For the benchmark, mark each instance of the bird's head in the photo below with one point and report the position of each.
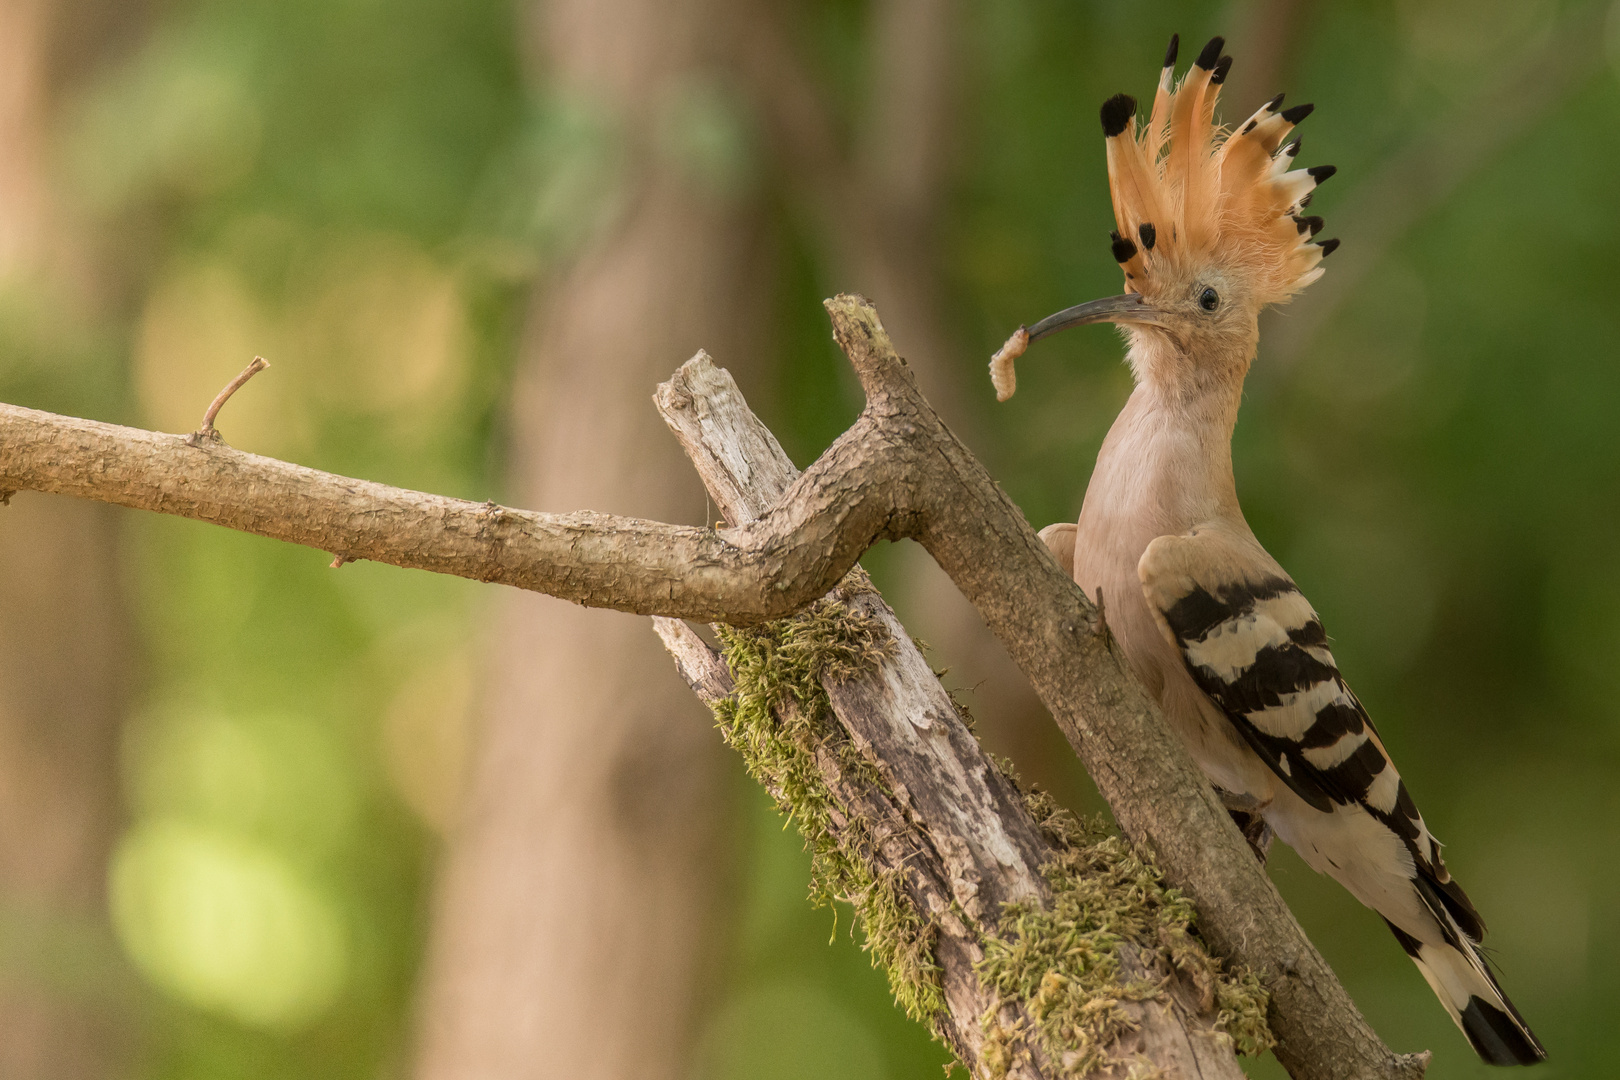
(1210, 227)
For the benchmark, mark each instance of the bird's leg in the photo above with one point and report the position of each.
(1246, 813)
(1257, 831)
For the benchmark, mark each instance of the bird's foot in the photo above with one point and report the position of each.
(1257, 831)
(1246, 811)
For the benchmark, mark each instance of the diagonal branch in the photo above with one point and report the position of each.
(898, 472)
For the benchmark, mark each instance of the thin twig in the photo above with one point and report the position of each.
(206, 433)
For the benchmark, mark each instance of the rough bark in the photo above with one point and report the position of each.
(898, 472)
(949, 823)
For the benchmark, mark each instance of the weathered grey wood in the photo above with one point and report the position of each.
(954, 826)
(744, 467)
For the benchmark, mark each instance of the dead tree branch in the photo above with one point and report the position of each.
(951, 825)
(897, 473)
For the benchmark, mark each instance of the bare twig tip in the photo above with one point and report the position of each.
(206, 432)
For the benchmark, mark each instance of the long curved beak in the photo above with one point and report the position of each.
(1125, 308)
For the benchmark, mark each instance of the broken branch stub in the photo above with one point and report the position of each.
(206, 432)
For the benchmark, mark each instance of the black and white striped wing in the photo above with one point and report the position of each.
(1255, 645)
(1259, 651)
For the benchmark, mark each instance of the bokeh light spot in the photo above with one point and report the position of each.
(226, 925)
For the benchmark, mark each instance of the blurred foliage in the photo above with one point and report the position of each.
(361, 192)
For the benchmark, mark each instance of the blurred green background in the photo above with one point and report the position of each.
(223, 866)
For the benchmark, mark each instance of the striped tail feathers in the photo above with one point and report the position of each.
(1461, 978)
(1255, 646)
(1438, 886)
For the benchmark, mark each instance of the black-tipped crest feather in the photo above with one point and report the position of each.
(1116, 114)
(1123, 246)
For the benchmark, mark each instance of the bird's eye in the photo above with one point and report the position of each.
(1209, 299)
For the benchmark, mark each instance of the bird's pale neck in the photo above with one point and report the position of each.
(1199, 376)
(1172, 443)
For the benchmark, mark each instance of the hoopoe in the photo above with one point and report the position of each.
(1211, 229)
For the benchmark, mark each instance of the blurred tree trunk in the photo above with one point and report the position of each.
(64, 646)
(882, 207)
(575, 925)
(63, 653)
(1269, 33)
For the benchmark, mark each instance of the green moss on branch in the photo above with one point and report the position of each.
(780, 720)
(1061, 961)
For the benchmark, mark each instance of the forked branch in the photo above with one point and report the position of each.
(897, 473)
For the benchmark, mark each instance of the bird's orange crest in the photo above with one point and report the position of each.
(1185, 190)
